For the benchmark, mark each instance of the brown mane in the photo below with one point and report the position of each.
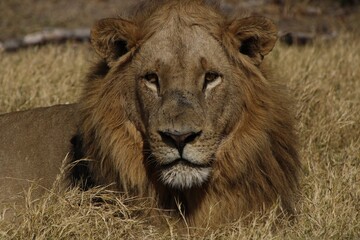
(257, 164)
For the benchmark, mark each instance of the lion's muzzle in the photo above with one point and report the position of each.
(178, 139)
(181, 165)
(183, 174)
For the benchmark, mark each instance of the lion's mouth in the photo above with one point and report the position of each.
(184, 174)
(185, 162)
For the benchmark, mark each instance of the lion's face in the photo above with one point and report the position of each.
(181, 84)
(184, 84)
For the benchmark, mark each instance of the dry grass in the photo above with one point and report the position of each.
(325, 81)
(42, 76)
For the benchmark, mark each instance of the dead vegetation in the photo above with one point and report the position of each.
(325, 82)
(324, 79)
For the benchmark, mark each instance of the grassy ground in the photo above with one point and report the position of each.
(325, 82)
(323, 78)
(42, 76)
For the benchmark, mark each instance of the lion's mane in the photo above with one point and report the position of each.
(255, 167)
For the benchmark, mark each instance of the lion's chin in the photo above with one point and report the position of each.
(184, 176)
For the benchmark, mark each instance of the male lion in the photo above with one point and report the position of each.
(181, 109)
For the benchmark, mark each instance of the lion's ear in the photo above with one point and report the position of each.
(113, 37)
(256, 36)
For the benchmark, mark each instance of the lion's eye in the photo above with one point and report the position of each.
(151, 77)
(152, 81)
(212, 79)
(211, 76)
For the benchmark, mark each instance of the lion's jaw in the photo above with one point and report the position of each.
(182, 174)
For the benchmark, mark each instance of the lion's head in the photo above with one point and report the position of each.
(180, 106)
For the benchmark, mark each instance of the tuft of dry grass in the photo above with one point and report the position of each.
(323, 78)
(42, 76)
(325, 81)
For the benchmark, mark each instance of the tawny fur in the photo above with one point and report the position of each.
(33, 146)
(255, 163)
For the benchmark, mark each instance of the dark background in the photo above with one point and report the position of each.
(18, 17)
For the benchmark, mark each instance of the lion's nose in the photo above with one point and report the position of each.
(179, 140)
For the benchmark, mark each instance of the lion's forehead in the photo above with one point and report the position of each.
(182, 46)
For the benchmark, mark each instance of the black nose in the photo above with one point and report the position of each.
(178, 140)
